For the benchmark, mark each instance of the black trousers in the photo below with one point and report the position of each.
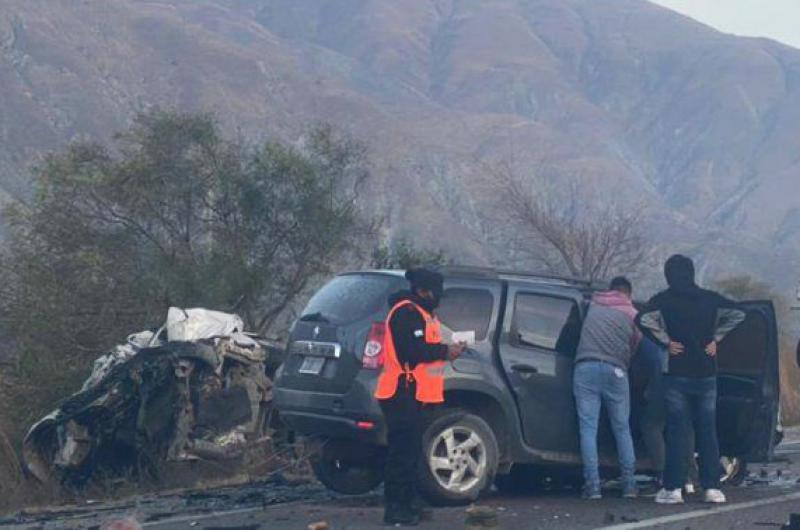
(404, 422)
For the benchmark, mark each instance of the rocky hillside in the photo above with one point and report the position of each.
(702, 127)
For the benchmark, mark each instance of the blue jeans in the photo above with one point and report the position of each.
(596, 383)
(691, 402)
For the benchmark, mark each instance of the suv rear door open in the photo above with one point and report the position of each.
(540, 335)
(748, 385)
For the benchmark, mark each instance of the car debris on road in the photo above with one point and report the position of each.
(481, 517)
(197, 388)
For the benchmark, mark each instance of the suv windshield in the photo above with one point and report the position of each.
(351, 297)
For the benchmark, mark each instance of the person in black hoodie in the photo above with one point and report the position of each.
(690, 322)
(403, 410)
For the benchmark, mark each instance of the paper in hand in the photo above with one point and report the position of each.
(467, 337)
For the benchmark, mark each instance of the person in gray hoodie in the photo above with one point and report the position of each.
(608, 340)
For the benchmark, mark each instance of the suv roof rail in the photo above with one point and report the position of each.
(469, 270)
(490, 272)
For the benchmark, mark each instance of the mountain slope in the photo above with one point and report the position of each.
(702, 126)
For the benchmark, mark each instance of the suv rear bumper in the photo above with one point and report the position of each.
(334, 415)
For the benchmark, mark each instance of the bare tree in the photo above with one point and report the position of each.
(568, 228)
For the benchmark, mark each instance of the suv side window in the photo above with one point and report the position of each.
(545, 322)
(465, 309)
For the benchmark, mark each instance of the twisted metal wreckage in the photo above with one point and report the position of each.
(195, 389)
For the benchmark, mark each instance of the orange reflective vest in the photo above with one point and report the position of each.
(428, 376)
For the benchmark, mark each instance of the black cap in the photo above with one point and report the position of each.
(425, 279)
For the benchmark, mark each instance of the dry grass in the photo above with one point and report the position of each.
(10, 464)
(790, 387)
(16, 490)
(10, 467)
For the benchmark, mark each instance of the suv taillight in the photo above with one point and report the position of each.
(373, 350)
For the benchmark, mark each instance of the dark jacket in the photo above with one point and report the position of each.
(692, 316)
(408, 332)
(647, 370)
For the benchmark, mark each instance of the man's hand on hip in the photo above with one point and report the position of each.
(675, 348)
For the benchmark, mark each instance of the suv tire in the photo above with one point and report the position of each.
(459, 458)
(348, 467)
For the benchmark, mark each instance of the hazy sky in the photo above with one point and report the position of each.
(776, 19)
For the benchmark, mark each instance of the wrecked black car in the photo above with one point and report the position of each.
(509, 412)
(195, 389)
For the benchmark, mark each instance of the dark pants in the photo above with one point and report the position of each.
(652, 426)
(649, 363)
(691, 402)
(404, 422)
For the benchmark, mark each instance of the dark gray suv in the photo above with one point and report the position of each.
(509, 410)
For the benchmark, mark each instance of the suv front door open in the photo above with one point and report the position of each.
(537, 349)
(748, 385)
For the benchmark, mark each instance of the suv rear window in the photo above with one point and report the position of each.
(546, 322)
(351, 297)
(465, 309)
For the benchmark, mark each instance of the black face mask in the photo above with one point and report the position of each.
(428, 304)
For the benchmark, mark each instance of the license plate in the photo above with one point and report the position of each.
(312, 365)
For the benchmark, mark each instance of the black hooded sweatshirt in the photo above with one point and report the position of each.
(692, 316)
(408, 332)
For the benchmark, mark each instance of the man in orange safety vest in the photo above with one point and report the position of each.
(412, 381)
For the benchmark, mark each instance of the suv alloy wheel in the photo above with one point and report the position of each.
(459, 457)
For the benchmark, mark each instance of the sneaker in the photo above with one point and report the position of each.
(715, 496)
(591, 493)
(665, 496)
(689, 488)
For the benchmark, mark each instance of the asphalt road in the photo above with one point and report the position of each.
(533, 513)
(746, 510)
(767, 499)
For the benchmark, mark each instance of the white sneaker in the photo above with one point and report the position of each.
(715, 497)
(689, 488)
(665, 496)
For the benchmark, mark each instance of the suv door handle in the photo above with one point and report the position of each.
(525, 369)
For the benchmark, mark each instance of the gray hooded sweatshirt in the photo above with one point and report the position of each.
(609, 332)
